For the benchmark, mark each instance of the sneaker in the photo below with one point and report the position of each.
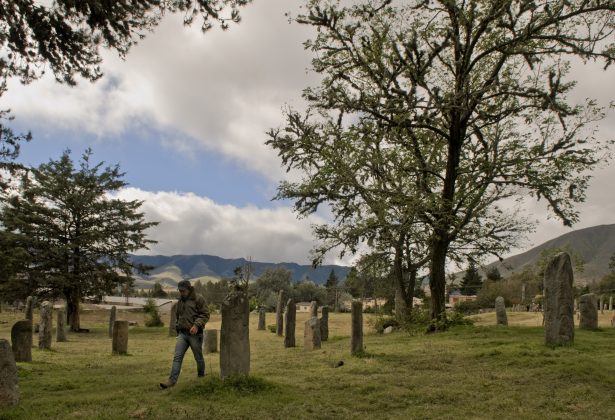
(167, 384)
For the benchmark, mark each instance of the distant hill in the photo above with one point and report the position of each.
(169, 270)
(595, 245)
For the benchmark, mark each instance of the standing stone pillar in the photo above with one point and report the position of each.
(311, 334)
(261, 319)
(602, 304)
(356, 342)
(500, 311)
(589, 313)
(576, 304)
(290, 321)
(173, 321)
(9, 391)
(235, 336)
(559, 301)
(314, 309)
(29, 308)
(279, 316)
(119, 344)
(611, 303)
(523, 293)
(21, 340)
(324, 324)
(44, 333)
(112, 317)
(60, 327)
(210, 341)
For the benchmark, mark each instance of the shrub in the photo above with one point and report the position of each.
(153, 318)
(467, 308)
(272, 328)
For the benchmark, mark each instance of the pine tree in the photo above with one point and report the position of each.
(68, 237)
(472, 280)
(332, 290)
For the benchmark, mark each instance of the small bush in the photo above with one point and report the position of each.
(272, 328)
(383, 321)
(467, 307)
(153, 318)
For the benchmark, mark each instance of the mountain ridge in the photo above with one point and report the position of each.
(595, 245)
(169, 269)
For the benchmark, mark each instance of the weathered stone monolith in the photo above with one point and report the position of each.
(9, 390)
(279, 315)
(235, 336)
(314, 309)
(290, 321)
(324, 323)
(44, 332)
(500, 311)
(112, 318)
(173, 321)
(559, 301)
(210, 341)
(28, 311)
(602, 304)
(356, 341)
(21, 340)
(261, 319)
(61, 326)
(611, 303)
(119, 345)
(589, 313)
(311, 334)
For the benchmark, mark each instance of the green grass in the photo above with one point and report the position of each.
(468, 372)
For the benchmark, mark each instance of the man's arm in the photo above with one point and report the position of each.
(202, 313)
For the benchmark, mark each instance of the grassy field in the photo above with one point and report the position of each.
(477, 371)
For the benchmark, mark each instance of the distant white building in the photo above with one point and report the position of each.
(164, 305)
(303, 306)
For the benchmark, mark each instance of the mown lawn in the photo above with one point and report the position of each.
(469, 372)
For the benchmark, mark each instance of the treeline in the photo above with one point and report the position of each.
(524, 287)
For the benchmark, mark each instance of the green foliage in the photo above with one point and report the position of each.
(472, 280)
(468, 307)
(474, 109)
(153, 314)
(272, 328)
(66, 37)
(270, 282)
(78, 237)
(238, 385)
(380, 322)
(158, 292)
(308, 291)
(493, 274)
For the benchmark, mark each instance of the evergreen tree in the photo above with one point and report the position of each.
(67, 234)
(472, 280)
(332, 290)
(158, 292)
(493, 274)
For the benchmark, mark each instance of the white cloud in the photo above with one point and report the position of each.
(219, 91)
(190, 224)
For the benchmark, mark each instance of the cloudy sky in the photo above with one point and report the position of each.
(185, 115)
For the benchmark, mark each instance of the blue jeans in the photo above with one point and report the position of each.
(182, 342)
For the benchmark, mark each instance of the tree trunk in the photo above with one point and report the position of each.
(412, 271)
(437, 282)
(72, 311)
(401, 307)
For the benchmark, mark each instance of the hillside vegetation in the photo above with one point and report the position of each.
(595, 245)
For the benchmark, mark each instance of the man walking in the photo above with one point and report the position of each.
(192, 314)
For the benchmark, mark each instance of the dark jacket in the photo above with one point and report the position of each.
(192, 311)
